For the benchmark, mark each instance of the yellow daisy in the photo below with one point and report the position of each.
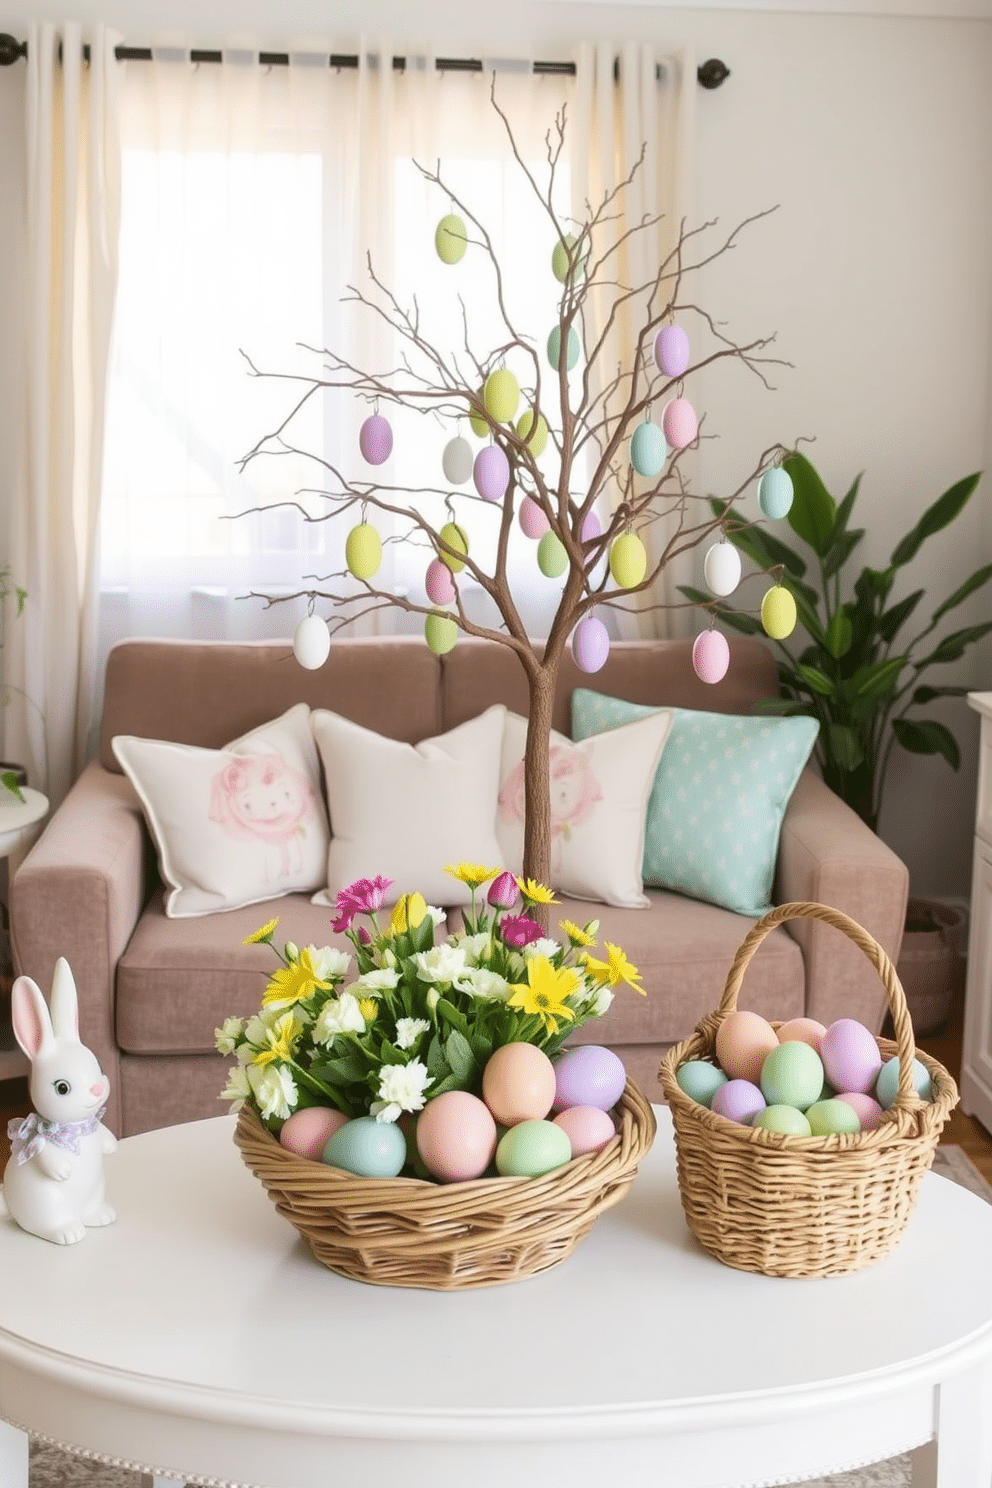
(294, 983)
(263, 936)
(576, 935)
(282, 1036)
(407, 914)
(535, 892)
(616, 968)
(474, 875)
(544, 992)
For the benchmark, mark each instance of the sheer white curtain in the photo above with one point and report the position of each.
(72, 213)
(639, 98)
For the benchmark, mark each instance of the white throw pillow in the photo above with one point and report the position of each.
(406, 811)
(232, 826)
(599, 798)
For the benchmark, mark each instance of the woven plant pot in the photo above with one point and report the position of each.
(407, 1232)
(804, 1206)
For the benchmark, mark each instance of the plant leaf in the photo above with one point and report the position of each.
(927, 737)
(843, 546)
(813, 513)
(460, 1056)
(935, 518)
(890, 621)
(845, 509)
(928, 694)
(736, 619)
(976, 581)
(876, 680)
(839, 634)
(954, 646)
(844, 746)
(816, 680)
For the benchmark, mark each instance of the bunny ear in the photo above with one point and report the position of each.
(65, 1005)
(29, 1018)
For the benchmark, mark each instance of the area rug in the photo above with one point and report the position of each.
(51, 1468)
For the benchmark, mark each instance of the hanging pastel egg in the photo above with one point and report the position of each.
(438, 582)
(552, 557)
(592, 527)
(778, 612)
(722, 568)
(628, 560)
(775, 493)
(501, 395)
(456, 461)
(590, 644)
(679, 423)
(534, 435)
(648, 450)
(311, 642)
(363, 550)
(563, 254)
(491, 473)
(571, 353)
(710, 656)
(478, 423)
(533, 522)
(671, 350)
(457, 538)
(375, 439)
(450, 239)
(440, 632)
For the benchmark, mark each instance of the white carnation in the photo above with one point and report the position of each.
(274, 1089)
(227, 1035)
(436, 916)
(488, 986)
(442, 964)
(408, 1030)
(329, 964)
(237, 1090)
(544, 947)
(476, 947)
(401, 1088)
(383, 980)
(338, 1015)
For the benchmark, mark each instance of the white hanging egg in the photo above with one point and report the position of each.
(535, 435)
(363, 550)
(438, 582)
(491, 473)
(533, 522)
(555, 348)
(710, 656)
(679, 423)
(775, 493)
(456, 461)
(590, 644)
(450, 239)
(722, 568)
(501, 395)
(375, 439)
(440, 632)
(311, 642)
(552, 556)
(628, 560)
(778, 612)
(671, 350)
(648, 450)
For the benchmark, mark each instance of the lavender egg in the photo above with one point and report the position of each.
(738, 1101)
(592, 527)
(850, 1056)
(588, 1075)
(679, 423)
(671, 350)
(710, 656)
(590, 644)
(491, 473)
(375, 439)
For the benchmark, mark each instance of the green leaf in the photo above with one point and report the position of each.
(452, 1015)
(845, 509)
(344, 1070)
(736, 619)
(784, 708)
(935, 518)
(929, 694)
(892, 619)
(844, 746)
(813, 513)
(873, 583)
(450, 1082)
(876, 680)
(844, 545)
(808, 618)
(9, 779)
(422, 935)
(839, 634)
(436, 1063)
(927, 738)
(460, 1056)
(482, 1046)
(953, 647)
(816, 680)
(968, 587)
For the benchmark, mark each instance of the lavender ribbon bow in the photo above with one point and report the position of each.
(29, 1134)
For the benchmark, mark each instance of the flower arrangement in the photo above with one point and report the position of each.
(419, 1018)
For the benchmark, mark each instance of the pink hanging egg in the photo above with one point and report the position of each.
(532, 520)
(375, 439)
(491, 473)
(679, 423)
(439, 584)
(671, 350)
(590, 644)
(710, 656)
(592, 527)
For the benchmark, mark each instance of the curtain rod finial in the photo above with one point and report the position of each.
(11, 50)
(712, 73)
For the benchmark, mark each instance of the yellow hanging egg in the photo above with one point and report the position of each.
(480, 425)
(534, 434)
(778, 612)
(552, 557)
(501, 395)
(450, 239)
(363, 550)
(440, 632)
(456, 538)
(628, 560)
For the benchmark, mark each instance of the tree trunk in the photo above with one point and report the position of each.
(537, 783)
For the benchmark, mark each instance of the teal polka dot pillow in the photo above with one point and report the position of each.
(719, 795)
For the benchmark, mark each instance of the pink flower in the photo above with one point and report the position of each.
(519, 930)
(503, 891)
(364, 896)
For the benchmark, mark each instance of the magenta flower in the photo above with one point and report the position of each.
(519, 930)
(364, 896)
(503, 891)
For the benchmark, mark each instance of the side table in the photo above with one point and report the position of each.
(16, 822)
(976, 1049)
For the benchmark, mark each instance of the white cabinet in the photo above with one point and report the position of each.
(976, 1053)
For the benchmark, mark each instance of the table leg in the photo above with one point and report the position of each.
(13, 1456)
(964, 1432)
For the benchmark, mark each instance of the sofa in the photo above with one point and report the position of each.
(153, 989)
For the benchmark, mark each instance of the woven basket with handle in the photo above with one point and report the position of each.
(408, 1232)
(804, 1206)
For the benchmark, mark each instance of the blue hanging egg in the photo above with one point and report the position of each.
(571, 348)
(648, 450)
(775, 493)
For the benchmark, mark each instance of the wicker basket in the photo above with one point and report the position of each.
(408, 1232)
(804, 1206)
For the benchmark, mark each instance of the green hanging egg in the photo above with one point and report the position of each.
(440, 632)
(363, 550)
(501, 395)
(552, 558)
(450, 239)
(563, 250)
(534, 434)
(571, 348)
(456, 538)
(628, 560)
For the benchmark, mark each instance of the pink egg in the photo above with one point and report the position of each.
(803, 1030)
(533, 522)
(439, 584)
(491, 473)
(738, 1100)
(671, 350)
(588, 1075)
(375, 439)
(850, 1056)
(590, 644)
(518, 1083)
(869, 1112)
(592, 527)
(742, 1041)
(710, 656)
(679, 423)
(587, 1128)
(307, 1132)
(456, 1136)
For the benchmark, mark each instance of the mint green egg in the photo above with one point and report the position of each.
(792, 1075)
(552, 556)
(571, 348)
(368, 1148)
(784, 1119)
(699, 1080)
(829, 1116)
(531, 1148)
(440, 632)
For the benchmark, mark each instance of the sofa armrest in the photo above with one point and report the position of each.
(79, 894)
(828, 855)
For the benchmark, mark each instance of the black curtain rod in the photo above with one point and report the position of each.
(709, 74)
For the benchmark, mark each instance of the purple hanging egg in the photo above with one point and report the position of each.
(679, 423)
(710, 656)
(491, 473)
(590, 644)
(592, 527)
(375, 439)
(438, 582)
(533, 522)
(671, 350)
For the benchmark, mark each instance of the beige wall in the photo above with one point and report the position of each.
(871, 135)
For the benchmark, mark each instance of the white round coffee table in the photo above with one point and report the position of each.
(198, 1339)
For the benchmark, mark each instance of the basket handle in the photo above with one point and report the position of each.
(802, 910)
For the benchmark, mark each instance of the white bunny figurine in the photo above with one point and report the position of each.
(53, 1182)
